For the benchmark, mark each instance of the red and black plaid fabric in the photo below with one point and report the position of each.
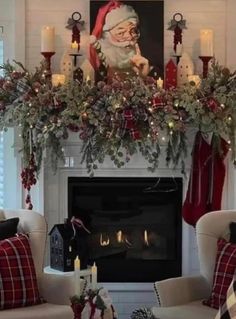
(228, 309)
(18, 283)
(224, 272)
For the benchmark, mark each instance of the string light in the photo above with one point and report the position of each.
(171, 124)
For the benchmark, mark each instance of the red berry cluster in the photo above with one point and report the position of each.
(28, 178)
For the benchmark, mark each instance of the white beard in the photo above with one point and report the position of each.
(118, 55)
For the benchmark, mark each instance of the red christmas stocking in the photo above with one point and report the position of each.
(195, 204)
(217, 177)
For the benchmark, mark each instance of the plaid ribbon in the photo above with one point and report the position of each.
(158, 103)
(23, 86)
(130, 125)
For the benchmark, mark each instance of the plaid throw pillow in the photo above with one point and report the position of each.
(18, 284)
(228, 310)
(224, 272)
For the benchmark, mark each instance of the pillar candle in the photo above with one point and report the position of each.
(160, 83)
(58, 79)
(179, 49)
(74, 47)
(94, 276)
(48, 39)
(206, 42)
(77, 275)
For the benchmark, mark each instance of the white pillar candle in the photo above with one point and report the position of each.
(48, 39)
(179, 49)
(206, 42)
(94, 276)
(160, 83)
(77, 275)
(58, 79)
(74, 47)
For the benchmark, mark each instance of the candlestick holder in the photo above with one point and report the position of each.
(78, 74)
(75, 56)
(205, 61)
(177, 56)
(47, 56)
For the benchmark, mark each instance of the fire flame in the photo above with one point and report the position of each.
(119, 236)
(104, 242)
(146, 238)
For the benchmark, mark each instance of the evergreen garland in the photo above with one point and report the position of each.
(115, 119)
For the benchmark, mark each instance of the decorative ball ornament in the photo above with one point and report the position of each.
(142, 313)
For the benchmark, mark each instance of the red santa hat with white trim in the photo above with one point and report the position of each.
(109, 16)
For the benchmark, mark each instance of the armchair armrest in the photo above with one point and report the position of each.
(58, 289)
(181, 290)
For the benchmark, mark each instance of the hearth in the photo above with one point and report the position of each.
(135, 226)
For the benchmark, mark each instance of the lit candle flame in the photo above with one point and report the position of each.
(104, 242)
(119, 236)
(146, 238)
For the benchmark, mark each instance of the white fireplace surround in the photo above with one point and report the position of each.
(54, 192)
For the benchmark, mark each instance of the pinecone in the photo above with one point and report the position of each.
(142, 313)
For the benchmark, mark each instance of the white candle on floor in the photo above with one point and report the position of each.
(77, 275)
(94, 276)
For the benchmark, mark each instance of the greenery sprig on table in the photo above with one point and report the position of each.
(115, 119)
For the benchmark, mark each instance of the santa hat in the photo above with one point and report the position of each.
(109, 15)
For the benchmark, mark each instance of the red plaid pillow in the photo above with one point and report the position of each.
(224, 271)
(18, 284)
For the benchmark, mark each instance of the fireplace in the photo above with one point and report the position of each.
(135, 226)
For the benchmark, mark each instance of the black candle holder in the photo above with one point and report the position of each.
(78, 74)
(47, 56)
(205, 61)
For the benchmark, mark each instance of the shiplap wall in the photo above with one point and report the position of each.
(199, 14)
(215, 14)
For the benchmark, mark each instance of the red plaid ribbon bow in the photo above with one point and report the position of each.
(130, 125)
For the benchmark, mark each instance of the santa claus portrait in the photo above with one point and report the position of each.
(127, 37)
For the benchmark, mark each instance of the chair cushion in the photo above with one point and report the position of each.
(8, 227)
(191, 310)
(223, 274)
(17, 274)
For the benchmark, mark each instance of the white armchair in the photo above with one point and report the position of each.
(55, 289)
(181, 298)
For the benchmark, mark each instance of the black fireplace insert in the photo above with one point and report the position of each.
(135, 226)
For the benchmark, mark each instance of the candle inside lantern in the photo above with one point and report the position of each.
(58, 79)
(94, 276)
(48, 39)
(206, 42)
(77, 275)
(195, 78)
(160, 83)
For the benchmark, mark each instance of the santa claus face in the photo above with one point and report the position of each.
(125, 32)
